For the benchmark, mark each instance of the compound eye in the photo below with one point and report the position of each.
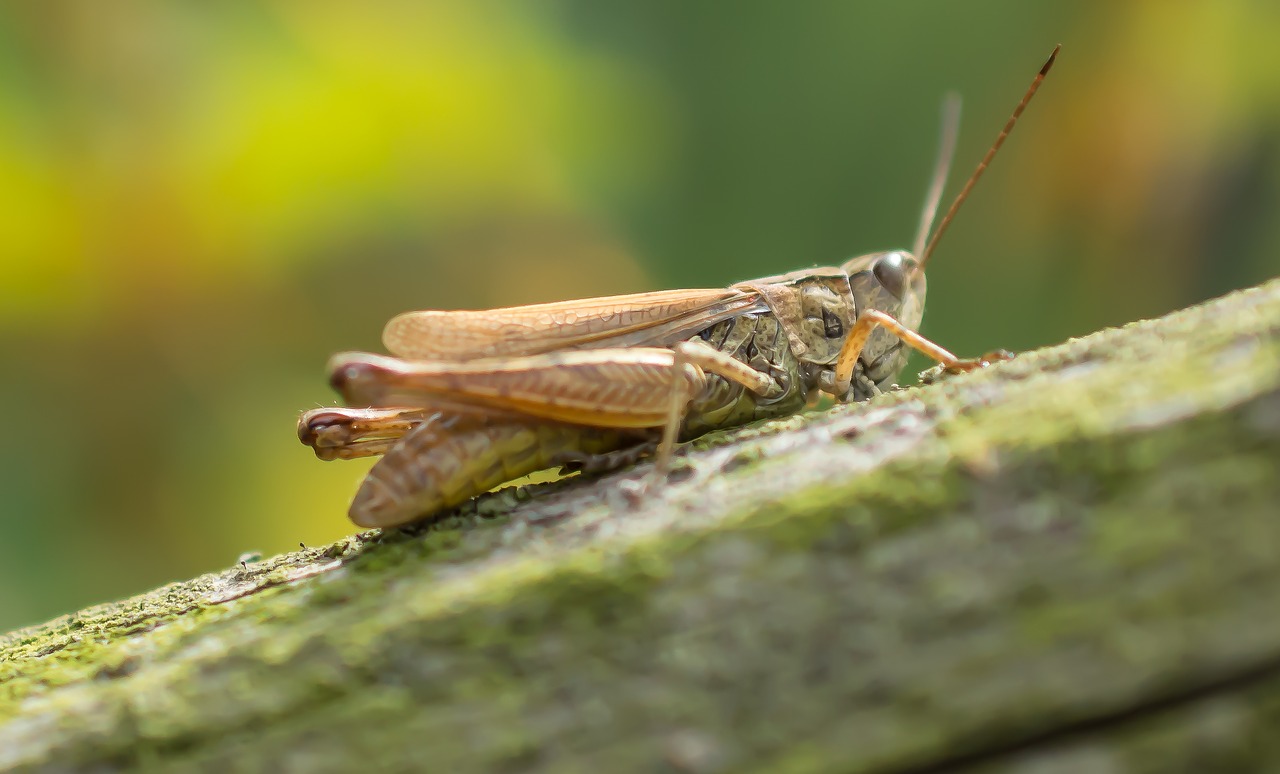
(893, 271)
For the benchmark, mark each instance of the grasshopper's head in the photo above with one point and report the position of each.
(893, 283)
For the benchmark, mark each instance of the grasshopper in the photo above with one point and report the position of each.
(473, 398)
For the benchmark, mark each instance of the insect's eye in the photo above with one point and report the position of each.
(893, 271)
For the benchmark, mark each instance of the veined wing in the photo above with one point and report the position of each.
(654, 319)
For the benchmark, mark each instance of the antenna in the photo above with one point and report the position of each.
(982, 165)
(946, 153)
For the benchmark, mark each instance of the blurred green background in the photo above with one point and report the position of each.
(200, 202)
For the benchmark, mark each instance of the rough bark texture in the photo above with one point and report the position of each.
(1068, 562)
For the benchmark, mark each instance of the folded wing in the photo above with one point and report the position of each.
(658, 318)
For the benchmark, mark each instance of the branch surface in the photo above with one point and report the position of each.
(1069, 559)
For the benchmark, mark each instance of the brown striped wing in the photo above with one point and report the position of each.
(657, 318)
(619, 388)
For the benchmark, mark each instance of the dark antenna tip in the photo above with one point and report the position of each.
(982, 165)
(1052, 57)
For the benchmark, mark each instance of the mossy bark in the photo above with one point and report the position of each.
(1067, 562)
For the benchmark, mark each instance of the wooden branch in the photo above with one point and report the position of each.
(1072, 558)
